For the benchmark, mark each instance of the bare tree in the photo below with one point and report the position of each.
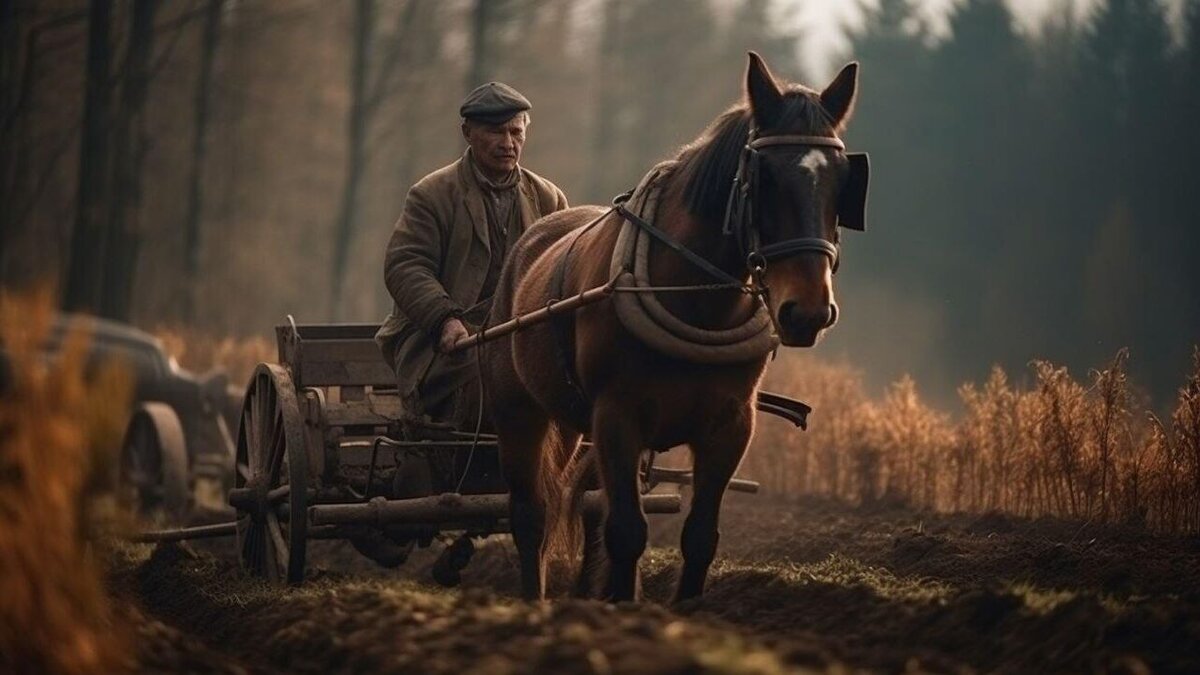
(20, 190)
(372, 82)
(129, 150)
(203, 107)
(490, 20)
(600, 180)
(356, 129)
(87, 255)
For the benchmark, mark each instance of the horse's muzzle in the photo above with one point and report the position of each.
(801, 328)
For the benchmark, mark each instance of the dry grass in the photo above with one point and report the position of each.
(201, 352)
(58, 434)
(1062, 448)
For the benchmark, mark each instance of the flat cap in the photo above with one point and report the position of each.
(493, 103)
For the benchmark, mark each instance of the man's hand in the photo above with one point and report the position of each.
(453, 330)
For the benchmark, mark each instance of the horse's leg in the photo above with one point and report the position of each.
(716, 457)
(522, 431)
(594, 567)
(619, 447)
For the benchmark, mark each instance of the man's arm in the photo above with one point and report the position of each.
(412, 264)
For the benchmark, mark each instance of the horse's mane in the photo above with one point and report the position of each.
(707, 165)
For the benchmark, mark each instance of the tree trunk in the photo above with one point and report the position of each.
(604, 138)
(85, 274)
(203, 105)
(124, 225)
(481, 20)
(356, 129)
(9, 46)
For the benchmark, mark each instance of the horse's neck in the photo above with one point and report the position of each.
(709, 309)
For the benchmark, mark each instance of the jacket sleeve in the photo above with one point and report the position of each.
(414, 261)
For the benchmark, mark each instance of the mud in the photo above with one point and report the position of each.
(797, 586)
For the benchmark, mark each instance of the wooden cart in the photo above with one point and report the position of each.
(323, 452)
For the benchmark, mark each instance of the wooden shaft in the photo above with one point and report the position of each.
(198, 532)
(535, 317)
(684, 477)
(452, 508)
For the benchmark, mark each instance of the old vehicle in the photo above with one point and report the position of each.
(324, 453)
(178, 437)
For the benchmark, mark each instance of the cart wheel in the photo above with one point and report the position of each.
(272, 464)
(153, 478)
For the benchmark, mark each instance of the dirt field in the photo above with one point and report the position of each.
(807, 586)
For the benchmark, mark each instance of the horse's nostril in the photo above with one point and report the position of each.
(788, 314)
(793, 319)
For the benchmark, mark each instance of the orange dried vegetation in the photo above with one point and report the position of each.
(201, 352)
(1061, 448)
(58, 434)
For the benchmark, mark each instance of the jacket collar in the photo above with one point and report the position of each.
(473, 200)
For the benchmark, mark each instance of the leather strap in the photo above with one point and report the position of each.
(782, 249)
(795, 139)
(687, 253)
(564, 328)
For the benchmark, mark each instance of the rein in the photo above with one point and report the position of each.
(633, 294)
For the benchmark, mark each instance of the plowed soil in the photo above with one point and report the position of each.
(807, 586)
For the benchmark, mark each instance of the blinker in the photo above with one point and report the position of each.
(852, 202)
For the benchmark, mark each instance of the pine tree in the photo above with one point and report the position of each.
(892, 122)
(979, 108)
(1126, 109)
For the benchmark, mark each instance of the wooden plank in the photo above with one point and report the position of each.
(375, 411)
(345, 373)
(340, 350)
(331, 331)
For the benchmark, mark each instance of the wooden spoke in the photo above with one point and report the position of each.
(272, 457)
(278, 543)
(277, 448)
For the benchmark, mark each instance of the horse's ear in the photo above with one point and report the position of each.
(838, 97)
(766, 101)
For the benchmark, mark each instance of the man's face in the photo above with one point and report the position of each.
(496, 147)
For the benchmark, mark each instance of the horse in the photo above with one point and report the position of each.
(759, 258)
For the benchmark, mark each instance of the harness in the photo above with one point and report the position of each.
(633, 295)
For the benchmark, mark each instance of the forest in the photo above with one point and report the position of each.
(1001, 469)
(215, 165)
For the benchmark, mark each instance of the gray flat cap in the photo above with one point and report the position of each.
(493, 103)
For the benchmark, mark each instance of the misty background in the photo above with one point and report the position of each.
(220, 164)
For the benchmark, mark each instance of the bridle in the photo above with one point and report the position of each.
(739, 211)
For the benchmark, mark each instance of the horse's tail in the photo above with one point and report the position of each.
(561, 483)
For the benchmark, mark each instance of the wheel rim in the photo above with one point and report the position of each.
(141, 473)
(272, 461)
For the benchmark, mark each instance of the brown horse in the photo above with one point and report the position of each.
(589, 373)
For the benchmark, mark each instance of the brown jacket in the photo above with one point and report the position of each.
(438, 258)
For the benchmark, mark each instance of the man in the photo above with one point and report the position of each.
(446, 252)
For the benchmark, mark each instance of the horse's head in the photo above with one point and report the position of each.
(801, 186)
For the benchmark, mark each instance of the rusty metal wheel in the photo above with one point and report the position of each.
(152, 477)
(272, 479)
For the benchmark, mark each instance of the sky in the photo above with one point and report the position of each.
(822, 21)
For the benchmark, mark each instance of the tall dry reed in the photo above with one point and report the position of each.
(58, 434)
(1061, 447)
(201, 352)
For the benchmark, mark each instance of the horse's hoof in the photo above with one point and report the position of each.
(446, 576)
(449, 565)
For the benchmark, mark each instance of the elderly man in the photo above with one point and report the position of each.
(445, 254)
